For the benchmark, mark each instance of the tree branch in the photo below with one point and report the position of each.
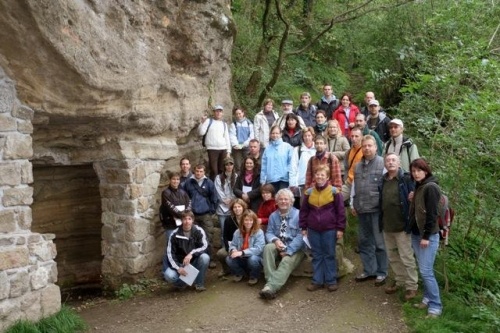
(344, 17)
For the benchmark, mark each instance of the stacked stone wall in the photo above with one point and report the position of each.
(132, 242)
(28, 271)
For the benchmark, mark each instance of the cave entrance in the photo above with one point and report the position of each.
(67, 203)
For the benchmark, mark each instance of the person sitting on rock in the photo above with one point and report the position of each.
(188, 245)
(285, 242)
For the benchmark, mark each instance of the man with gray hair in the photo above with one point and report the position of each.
(394, 211)
(285, 242)
(400, 145)
(287, 108)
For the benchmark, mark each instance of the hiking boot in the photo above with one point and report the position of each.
(333, 287)
(267, 293)
(432, 316)
(420, 306)
(410, 294)
(364, 277)
(380, 281)
(237, 278)
(314, 287)
(391, 289)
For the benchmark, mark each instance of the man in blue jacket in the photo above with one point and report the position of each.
(285, 242)
(394, 209)
(201, 190)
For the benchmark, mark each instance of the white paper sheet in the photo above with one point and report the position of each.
(192, 273)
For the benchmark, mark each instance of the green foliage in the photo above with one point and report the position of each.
(435, 65)
(66, 320)
(130, 290)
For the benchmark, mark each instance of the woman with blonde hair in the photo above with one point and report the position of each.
(337, 144)
(245, 251)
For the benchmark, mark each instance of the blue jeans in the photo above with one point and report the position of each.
(168, 233)
(323, 256)
(425, 260)
(371, 245)
(201, 263)
(245, 265)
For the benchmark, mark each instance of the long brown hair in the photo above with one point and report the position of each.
(255, 225)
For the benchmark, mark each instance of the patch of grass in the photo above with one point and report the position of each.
(65, 321)
(141, 287)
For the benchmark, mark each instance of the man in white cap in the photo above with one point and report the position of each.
(287, 108)
(378, 121)
(400, 145)
(215, 133)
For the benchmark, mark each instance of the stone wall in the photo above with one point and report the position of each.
(118, 86)
(27, 269)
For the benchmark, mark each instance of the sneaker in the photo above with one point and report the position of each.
(420, 306)
(314, 287)
(380, 281)
(212, 265)
(267, 293)
(237, 278)
(333, 287)
(199, 288)
(253, 281)
(410, 294)
(363, 277)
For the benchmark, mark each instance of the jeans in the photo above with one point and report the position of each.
(168, 233)
(323, 256)
(371, 245)
(276, 276)
(201, 263)
(425, 260)
(251, 265)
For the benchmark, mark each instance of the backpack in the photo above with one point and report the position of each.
(446, 214)
(205, 135)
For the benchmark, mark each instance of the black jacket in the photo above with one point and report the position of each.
(180, 246)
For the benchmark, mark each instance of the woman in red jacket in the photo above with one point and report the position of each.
(267, 206)
(346, 114)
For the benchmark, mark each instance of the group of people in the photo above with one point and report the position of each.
(318, 159)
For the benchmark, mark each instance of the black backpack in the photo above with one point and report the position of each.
(205, 135)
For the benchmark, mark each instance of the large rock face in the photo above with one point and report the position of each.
(115, 79)
(108, 94)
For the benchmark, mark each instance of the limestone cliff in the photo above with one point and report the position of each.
(118, 78)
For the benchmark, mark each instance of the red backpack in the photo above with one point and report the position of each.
(446, 214)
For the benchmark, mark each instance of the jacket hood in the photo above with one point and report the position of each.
(430, 179)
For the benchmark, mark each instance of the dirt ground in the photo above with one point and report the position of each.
(227, 306)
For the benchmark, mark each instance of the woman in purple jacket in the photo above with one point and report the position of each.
(322, 219)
